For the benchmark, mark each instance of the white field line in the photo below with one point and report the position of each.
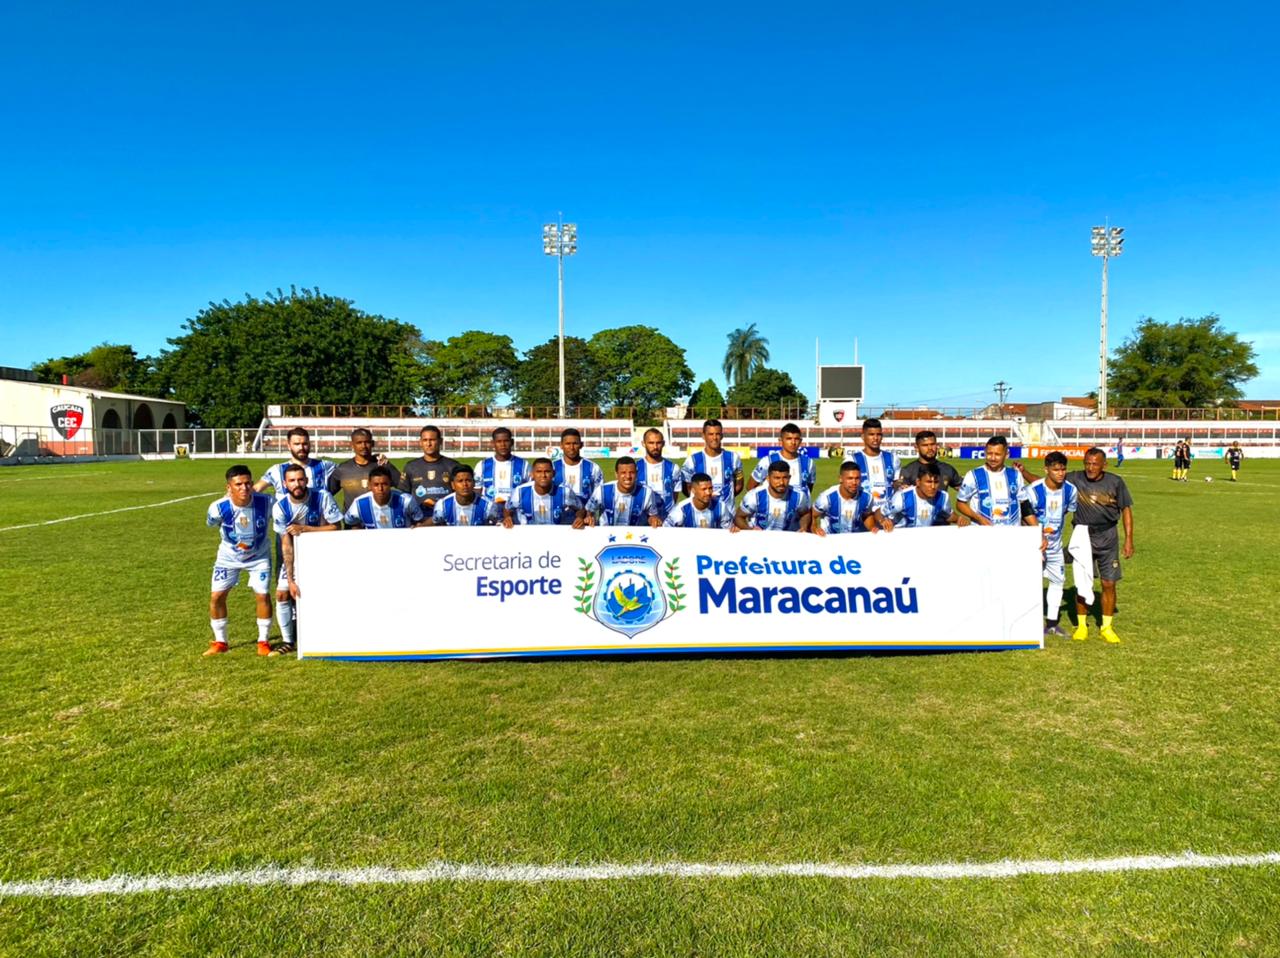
(109, 512)
(77, 475)
(539, 874)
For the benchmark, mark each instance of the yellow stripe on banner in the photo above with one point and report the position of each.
(648, 647)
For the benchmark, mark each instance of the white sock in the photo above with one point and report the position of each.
(219, 630)
(1053, 601)
(284, 615)
(264, 629)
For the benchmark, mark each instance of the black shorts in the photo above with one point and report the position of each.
(1105, 543)
(1180, 463)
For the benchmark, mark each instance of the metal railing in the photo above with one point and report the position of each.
(44, 442)
(478, 411)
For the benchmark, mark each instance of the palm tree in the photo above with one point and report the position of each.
(747, 352)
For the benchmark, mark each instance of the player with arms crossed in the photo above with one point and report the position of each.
(429, 477)
(624, 502)
(500, 474)
(997, 490)
(243, 518)
(802, 470)
(463, 506)
(702, 510)
(577, 476)
(846, 506)
(318, 470)
(1234, 457)
(1053, 499)
(660, 476)
(777, 506)
(924, 504)
(383, 507)
(540, 502)
(879, 467)
(302, 510)
(722, 467)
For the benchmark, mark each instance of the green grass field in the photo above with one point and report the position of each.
(123, 751)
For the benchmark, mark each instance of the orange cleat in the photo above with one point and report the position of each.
(215, 648)
(264, 648)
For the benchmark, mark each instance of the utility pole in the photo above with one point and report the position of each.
(1002, 388)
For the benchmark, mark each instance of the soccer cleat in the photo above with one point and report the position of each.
(264, 648)
(215, 648)
(285, 648)
(1055, 631)
(1082, 631)
(1109, 634)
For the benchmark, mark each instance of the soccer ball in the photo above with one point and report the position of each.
(1208, 478)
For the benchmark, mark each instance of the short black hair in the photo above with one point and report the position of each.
(297, 431)
(499, 431)
(698, 477)
(924, 434)
(850, 466)
(239, 470)
(380, 471)
(779, 466)
(712, 422)
(361, 431)
(872, 423)
(929, 469)
(426, 429)
(291, 467)
(790, 429)
(623, 461)
(998, 441)
(569, 431)
(461, 469)
(539, 461)
(1055, 459)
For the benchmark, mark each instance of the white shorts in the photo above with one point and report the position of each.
(227, 574)
(1055, 567)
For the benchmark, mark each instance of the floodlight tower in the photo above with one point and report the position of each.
(1108, 241)
(560, 239)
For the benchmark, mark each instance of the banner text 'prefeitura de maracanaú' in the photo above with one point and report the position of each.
(542, 590)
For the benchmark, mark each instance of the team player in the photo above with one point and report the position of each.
(702, 510)
(723, 467)
(927, 451)
(624, 502)
(352, 476)
(242, 517)
(463, 506)
(577, 476)
(302, 510)
(924, 504)
(499, 475)
(1181, 460)
(429, 477)
(318, 470)
(777, 506)
(540, 502)
(1053, 499)
(802, 470)
(1103, 500)
(660, 476)
(383, 507)
(1235, 456)
(879, 466)
(846, 506)
(994, 494)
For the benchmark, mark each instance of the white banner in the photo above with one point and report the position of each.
(542, 590)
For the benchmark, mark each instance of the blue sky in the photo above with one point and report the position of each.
(922, 178)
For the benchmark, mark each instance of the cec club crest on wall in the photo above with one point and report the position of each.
(67, 419)
(628, 588)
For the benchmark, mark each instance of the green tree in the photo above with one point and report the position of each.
(1193, 362)
(639, 367)
(706, 399)
(473, 368)
(537, 378)
(105, 366)
(772, 392)
(747, 352)
(296, 347)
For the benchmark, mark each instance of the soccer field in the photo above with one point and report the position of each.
(123, 752)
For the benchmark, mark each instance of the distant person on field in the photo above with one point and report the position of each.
(702, 510)
(879, 466)
(994, 494)
(498, 476)
(464, 506)
(1053, 499)
(318, 470)
(352, 476)
(926, 452)
(1235, 456)
(383, 507)
(243, 520)
(777, 506)
(722, 467)
(846, 506)
(429, 477)
(1182, 460)
(802, 470)
(301, 510)
(1120, 452)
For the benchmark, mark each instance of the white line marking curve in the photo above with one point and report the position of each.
(539, 874)
(109, 512)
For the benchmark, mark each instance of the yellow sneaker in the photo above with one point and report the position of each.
(1082, 631)
(1109, 634)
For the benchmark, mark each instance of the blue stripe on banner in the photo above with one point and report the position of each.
(693, 649)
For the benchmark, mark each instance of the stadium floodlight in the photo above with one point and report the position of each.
(1105, 241)
(560, 239)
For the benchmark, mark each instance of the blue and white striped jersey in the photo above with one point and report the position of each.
(1052, 507)
(723, 469)
(480, 511)
(318, 509)
(612, 507)
(907, 509)
(838, 514)
(243, 529)
(879, 472)
(579, 480)
(400, 512)
(994, 495)
(554, 509)
(764, 511)
(318, 473)
(804, 471)
(662, 478)
(497, 480)
(718, 515)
